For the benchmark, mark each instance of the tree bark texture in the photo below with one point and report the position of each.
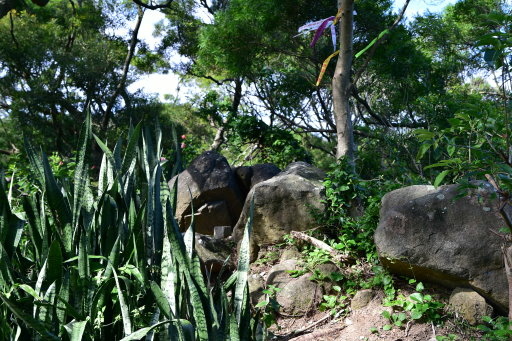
(507, 258)
(341, 84)
(237, 97)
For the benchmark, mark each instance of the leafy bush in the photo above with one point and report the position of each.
(352, 210)
(109, 261)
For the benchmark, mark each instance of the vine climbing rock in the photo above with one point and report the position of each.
(445, 235)
(282, 204)
(210, 187)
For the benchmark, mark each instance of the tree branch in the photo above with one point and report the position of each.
(371, 52)
(126, 66)
(342, 258)
(166, 4)
(12, 31)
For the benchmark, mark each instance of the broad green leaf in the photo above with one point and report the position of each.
(29, 290)
(416, 315)
(416, 297)
(440, 177)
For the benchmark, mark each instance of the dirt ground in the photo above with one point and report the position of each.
(365, 324)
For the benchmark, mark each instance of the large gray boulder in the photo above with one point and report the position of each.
(291, 296)
(214, 193)
(432, 235)
(283, 203)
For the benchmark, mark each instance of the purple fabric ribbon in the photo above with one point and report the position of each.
(320, 30)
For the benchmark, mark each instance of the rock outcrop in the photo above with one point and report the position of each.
(214, 192)
(283, 203)
(441, 236)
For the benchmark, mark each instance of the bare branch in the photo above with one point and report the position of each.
(342, 258)
(126, 66)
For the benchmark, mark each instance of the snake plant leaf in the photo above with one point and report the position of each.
(240, 296)
(130, 154)
(75, 330)
(125, 311)
(158, 223)
(189, 237)
(34, 227)
(81, 170)
(62, 298)
(11, 227)
(54, 263)
(29, 290)
(139, 334)
(47, 310)
(98, 299)
(161, 300)
(31, 322)
(117, 155)
(107, 153)
(169, 272)
(36, 165)
(198, 300)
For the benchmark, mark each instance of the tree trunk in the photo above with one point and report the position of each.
(507, 258)
(237, 97)
(341, 84)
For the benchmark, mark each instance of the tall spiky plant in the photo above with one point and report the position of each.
(91, 262)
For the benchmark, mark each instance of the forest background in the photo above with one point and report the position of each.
(256, 99)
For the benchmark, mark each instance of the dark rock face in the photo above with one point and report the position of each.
(213, 254)
(249, 176)
(283, 203)
(430, 234)
(214, 193)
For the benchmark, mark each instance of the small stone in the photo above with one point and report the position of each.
(291, 253)
(221, 232)
(469, 305)
(361, 299)
(256, 285)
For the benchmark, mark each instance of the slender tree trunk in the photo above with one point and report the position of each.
(341, 84)
(122, 82)
(237, 97)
